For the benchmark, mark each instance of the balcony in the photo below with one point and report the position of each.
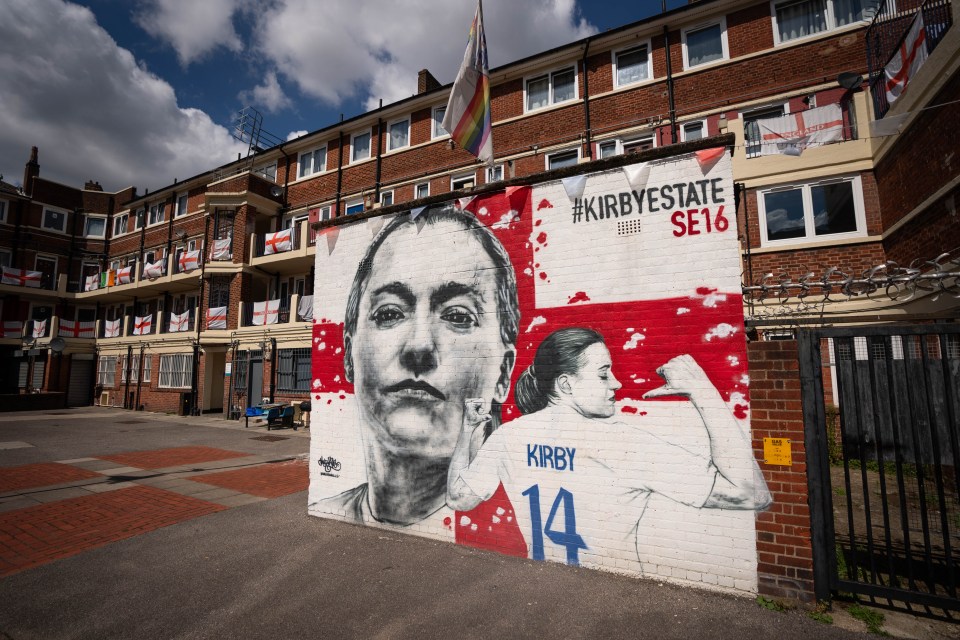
(287, 254)
(276, 313)
(887, 33)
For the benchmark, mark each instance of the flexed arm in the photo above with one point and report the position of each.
(739, 483)
(459, 495)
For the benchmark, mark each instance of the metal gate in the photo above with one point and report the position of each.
(881, 414)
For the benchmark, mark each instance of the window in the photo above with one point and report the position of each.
(551, 88)
(631, 65)
(463, 181)
(422, 190)
(608, 148)
(562, 159)
(386, 198)
(751, 130)
(156, 213)
(810, 211)
(183, 202)
(140, 219)
(795, 19)
(134, 368)
(693, 131)
(705, 43)
(147, 366)
(494, 174)
(398, 134)
(176, 371)
(55, 220)
(438, 114)
(95, 227)
(640, 143)
(6, 258)
(3, 210)
(120, 223)
(360, 146)
(324, 213)
(107, 371)
(293, 369)
(354, 207)
(267, 171)
(313, 161)
(219, 291)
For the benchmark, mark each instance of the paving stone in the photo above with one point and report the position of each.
(15, 445)
(20, 502)
(77, 460)
(237, 500)
(215, 493)
(54, 495)
(94, 464)
(103, 487)
(119, 471)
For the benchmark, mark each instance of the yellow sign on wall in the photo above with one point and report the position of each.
(777, 451)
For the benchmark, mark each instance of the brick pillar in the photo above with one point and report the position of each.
(784, 550)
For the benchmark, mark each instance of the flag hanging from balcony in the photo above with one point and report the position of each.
(20, 277)
(39, 328)
(91, 283)
(11, 329)
(467, 118)
(278, 242)
(124, 275)
(111, 328)
(266, 312)
(179, 322)
(221, 249)
(217, 318)
(794, 132)
(907, 60)
(73, 329)
(189, 260)
(153, 269)
(141, 325)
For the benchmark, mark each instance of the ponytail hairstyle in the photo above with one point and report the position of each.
(560, 353)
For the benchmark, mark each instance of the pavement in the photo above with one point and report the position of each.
(116, 524)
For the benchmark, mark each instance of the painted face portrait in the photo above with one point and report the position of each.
(427, 337)
(593, 387)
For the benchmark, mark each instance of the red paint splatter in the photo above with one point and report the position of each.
(544, 204)
(538, 223)
(317, 398)
(542, 237)
(579, 296)
(628, 409)
(543, 276)
(328, 401)
(447, 521)
(342, 397)
(740, 411)
(643, 413)
(703, 291)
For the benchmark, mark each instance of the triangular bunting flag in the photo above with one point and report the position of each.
(463, 203)
(515, 196)
(332, 234)
(574, 186)
(637, 175)
(415, 213)
(708, 157)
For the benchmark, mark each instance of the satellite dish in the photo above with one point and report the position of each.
(276, 191)
(849, 80)
(57, 344)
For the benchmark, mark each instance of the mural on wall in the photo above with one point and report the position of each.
(555, 371)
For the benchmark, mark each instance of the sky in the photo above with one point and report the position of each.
(144, 92)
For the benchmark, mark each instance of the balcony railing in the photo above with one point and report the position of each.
(887, 32)
(278, 242)
(256, 314)
(178, 322)
(757, 147)
(39, 328)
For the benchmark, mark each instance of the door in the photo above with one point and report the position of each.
(255, 378)
(80, 386)
(214, 373)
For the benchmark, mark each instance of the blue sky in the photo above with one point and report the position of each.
(142, 92)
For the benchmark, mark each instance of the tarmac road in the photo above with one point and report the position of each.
(264, 569)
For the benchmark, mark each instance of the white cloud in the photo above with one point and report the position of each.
(293, 135)
(373, 49)
(193, 28)
(93, 111)
(269, 95)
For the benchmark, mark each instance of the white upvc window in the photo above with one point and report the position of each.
(494, 174)
(550, 88)
(157, 213)
(398, 134)
(134, 367)
(693, 130)
(386, 198)
(753, 140)
(267, 171)
(631, 65)
(120, 221)
(705, 43)
(95, 227)
(107, 371)
(3, 210)
(796, 19)
(140, 218)
(360, 146)
(560, 159)
(437, 126)
(354, 206)
(463, 181)
(828, 209)
(422, 190)
(312, 161)
(620, 146)
(147, 368)
(54, 220)
(324, 213)
(176, 371)
(183, 202)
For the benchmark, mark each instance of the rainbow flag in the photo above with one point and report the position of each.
(467, 118)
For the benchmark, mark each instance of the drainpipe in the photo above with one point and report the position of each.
(739, 197)
(194, 377)
(336, 212)
(136, 406)
(586, 97)
(73, 243)
(670, 97)
(126, 390)
(273, 367)
(376, 194)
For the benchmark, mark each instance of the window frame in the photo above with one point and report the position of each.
(350, 204)
(160, 208)
(4, 207)
(550, 75)
(703, 128)
(830, 20)
(390, 125)
(750, 114)
(487, 173)
(416, 190)
(107, 369)
(614, 61)
(9, 257)
(140, 219)
(183, 197)
(548, 157)
(464, 177)
(724, 46)
(388, 192)
(810, 236)
(288, 378)
(436, 125)
(312, 153)
(353, 146)
(263, 171)
(125, 216)
(179, 368)
(86, 222)
(43, 219)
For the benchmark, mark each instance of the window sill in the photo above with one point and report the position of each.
(798, 244)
